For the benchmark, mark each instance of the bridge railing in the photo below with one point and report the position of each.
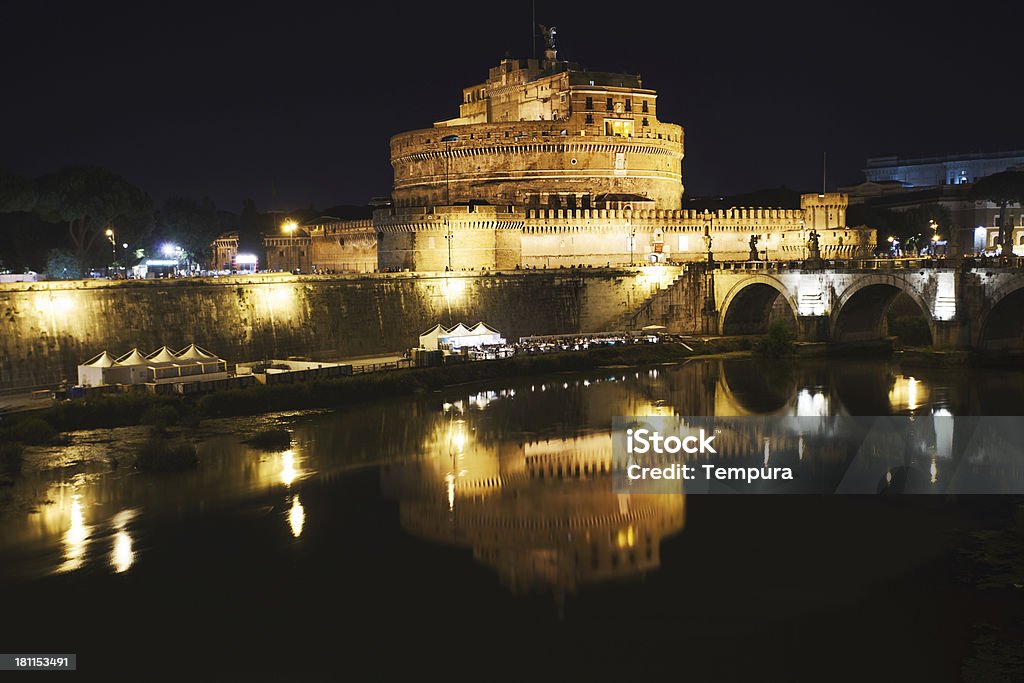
(966, 262)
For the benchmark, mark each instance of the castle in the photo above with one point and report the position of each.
(549, 165)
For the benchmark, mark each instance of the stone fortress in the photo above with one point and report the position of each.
(551, 165)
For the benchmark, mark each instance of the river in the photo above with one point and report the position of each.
(479, 524)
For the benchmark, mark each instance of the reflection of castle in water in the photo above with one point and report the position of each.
(541, 514)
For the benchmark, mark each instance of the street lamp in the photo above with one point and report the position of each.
(113, 244)
(447, 140)
(289, 226)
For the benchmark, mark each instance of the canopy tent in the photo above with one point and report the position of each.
(193, 352)
(162, 355)
(101, 360)
(133, 357)
(102, 369)
(461, 336)
(428, 339)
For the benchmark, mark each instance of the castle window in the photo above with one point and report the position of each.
(590, 118)
(629, 105)
(619, 127)
(643, 106)
(645, 121)
(609, 105)
(590, 103)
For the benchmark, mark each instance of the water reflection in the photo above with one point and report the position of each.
(296, 516)
(76, 538)
(517, 471)
(541, 514)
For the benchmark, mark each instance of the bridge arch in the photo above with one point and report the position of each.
(859, 312)
(747, 306)
(1002, 326)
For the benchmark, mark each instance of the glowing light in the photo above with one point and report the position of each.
(934, 471)
(121, 555)
(169, 249)
(288, 471)
(289, 226)
(811, 302)
(76, 538)
(296, 517)
(109, 232)
(907, 391)
(54, 305)
(246, 259)
(450, 488)
(945, 297)
(454, 289)
(912, 393)
(811, 405)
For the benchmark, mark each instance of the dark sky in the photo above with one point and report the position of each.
(293, 103)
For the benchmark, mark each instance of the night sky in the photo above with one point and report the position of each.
(293, 104)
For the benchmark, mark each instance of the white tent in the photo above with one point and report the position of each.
(428, 340)
(133, 357)
(162, 355)
(102, 369)
(193, 352)
(102, 360)
(460, 336)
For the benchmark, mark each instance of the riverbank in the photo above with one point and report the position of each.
(111, 411)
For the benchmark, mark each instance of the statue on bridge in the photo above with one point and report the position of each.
(813, 249)
(754, 256)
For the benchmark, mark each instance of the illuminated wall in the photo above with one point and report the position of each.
(47, 329)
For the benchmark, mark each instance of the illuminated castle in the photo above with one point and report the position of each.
(549, 164)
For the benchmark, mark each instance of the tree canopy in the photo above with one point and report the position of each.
(193, 224)
(1002, 189)
(89, 200)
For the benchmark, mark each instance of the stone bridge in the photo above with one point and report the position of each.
(966, 304)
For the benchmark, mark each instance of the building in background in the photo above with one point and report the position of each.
(549, 165)
(901, 184)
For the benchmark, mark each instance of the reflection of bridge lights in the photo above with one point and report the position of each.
(626, 538)
(288, 471)
(76, 538)
(811, 405)
(450, 487)
(296, 516)
(907, 391)
(121, 555)
(934, 469)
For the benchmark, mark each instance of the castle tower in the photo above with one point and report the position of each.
(543, 133)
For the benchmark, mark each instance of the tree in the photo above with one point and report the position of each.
(16, 193)
(1002, 189)
(61, 264)
(251, 225)
(193, 224)
(89, 200)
